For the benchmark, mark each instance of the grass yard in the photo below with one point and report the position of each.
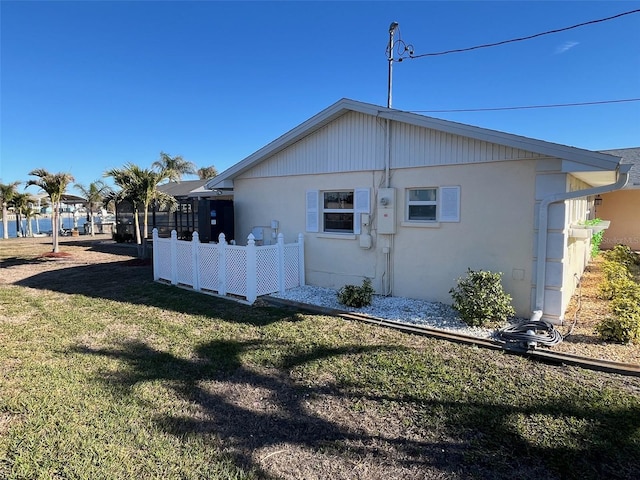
(108, 375)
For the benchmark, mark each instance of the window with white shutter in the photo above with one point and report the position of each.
(432, 205)
(337, 211)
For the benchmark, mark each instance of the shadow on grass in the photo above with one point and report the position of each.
(132, 283)
(251, 409)
(17, 261)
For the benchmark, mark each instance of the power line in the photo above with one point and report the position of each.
(487, 45)
(528, 106)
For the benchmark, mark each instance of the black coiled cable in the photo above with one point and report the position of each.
(538, 332)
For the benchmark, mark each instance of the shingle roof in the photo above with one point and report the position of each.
(629, 156)
(185, 188)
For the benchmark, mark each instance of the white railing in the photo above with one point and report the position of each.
(246, 271)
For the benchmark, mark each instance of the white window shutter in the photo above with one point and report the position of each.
(362, 204)
(312, 211)
(449, 204)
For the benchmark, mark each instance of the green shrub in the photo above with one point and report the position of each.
(623, 255)
(616, 279)
(619, 330)
(479, 298)
(355, 296)
(618, 286)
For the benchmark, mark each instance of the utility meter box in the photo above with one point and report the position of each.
(386, 210)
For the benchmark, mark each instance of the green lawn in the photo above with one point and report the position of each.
(107, 375)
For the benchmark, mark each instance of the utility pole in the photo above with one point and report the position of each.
(392, 31)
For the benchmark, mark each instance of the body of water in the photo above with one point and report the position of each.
(42, 225)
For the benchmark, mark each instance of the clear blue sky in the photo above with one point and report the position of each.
(87, 86)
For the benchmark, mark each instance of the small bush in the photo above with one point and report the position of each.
(619, 330)
(624, 293)
(479, 298)
(616, 279)
(623, 255)
(355, 296)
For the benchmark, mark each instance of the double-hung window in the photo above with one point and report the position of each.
(432, 205)
(422, 204)
(337, 212)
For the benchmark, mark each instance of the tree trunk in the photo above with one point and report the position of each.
(145, 217)
(93, 233)
(5, 221)
(55, 227)
(136, 223)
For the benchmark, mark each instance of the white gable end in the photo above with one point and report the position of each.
(356, 142)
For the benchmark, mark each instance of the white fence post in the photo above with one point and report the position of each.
(301, 259)
(222, 265)
(174, 257)
(252, 269)
(281, 261)
(155, 255)
(195, 260)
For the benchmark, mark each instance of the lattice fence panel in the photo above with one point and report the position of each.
(184, 263)
(267, 269)
(291, 260)
(236, 261)
(209, 266)
(162, 250)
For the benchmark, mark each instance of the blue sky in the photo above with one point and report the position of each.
(89, 86)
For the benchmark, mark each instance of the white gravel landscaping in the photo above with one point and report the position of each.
(400, 309)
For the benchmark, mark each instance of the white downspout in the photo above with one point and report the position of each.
(543, 221)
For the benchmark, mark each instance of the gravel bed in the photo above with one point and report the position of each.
(406, 310)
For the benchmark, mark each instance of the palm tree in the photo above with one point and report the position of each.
(54, 184)
(205, 173)
(7, 192)
(94, 195)
(173, 168)
(140, 187)
(22, 202)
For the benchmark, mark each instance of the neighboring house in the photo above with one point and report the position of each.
(198, 209)
(622, 207)
(412, 202)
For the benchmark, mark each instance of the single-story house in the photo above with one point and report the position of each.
(411, 202)
(622, 207)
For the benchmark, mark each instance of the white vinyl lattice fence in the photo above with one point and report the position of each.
(246, 271)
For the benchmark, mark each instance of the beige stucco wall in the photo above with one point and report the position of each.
(622, 208)
(494, 232)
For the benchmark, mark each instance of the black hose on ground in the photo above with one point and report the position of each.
(531, 333)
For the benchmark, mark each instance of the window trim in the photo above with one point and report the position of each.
(344, 211)
(409, 203)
